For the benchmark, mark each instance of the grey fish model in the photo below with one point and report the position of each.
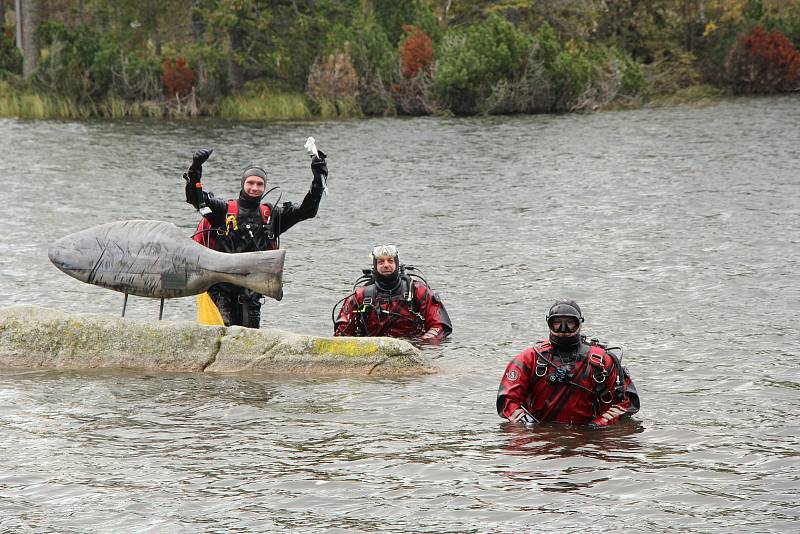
(156, 259)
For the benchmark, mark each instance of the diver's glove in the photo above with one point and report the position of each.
(196, 168)
(319, 168)
(609, 417)
(521, 415)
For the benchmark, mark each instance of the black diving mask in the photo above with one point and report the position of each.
(564, 324)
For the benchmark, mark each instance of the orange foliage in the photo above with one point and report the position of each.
(769, 61)
(334, 79)
(416, 52)
(178, 77)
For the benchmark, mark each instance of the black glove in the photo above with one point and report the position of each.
(196, 168)
(201, 156)
(319, 168)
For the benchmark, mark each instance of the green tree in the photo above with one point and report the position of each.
(10, 58)
(392, 16)
(87, 66)
(472, 61)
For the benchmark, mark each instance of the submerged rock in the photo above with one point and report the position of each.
(33, 337)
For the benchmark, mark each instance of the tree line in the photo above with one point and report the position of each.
(385, 57)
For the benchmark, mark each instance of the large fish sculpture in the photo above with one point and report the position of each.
(156, 259)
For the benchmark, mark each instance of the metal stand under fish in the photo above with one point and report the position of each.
(155, 259)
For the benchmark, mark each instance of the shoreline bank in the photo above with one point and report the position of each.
(289, 107)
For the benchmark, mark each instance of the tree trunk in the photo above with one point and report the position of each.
(235, 70)
(30, 41)
(198, 25)
(152, 10)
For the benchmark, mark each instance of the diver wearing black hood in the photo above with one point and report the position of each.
(246, 224)
(567, 378)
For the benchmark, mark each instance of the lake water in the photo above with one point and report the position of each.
(676, 229)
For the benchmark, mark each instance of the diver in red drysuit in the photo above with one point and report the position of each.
(393, 303)
(567, 379)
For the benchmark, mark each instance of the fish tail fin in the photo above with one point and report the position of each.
(261, 272)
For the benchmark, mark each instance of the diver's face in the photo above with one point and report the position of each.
(386, 265)
(253, 186)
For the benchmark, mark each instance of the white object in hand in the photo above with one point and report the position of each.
(311, 146)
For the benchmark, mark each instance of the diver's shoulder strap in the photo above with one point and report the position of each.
(264, 209)
(370, 292)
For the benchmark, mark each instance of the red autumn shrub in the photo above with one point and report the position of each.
(416, 52)
(764, 62)
(178, 77)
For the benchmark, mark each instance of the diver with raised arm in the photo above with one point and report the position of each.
(246, 224)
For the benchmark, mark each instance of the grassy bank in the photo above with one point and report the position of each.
(36, 106)
(694, 95)
(286, 106)
(266, 107)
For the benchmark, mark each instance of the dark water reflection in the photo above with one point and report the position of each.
(676, 229)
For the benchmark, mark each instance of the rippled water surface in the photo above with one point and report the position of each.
(677, 230)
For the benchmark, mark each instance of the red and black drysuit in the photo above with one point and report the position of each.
(257, 227)
(411, 310)
(585, 385)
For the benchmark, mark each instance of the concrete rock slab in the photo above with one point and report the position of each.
(279, 351)
(35, 337)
